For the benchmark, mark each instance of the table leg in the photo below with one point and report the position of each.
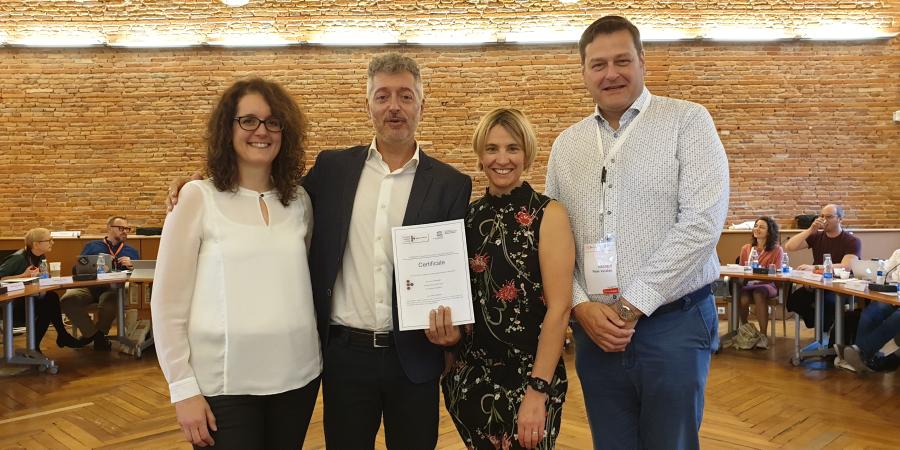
(28, 356)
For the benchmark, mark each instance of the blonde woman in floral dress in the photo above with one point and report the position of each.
(508, 383)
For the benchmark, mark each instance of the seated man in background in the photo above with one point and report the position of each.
(878, 336)
(76, 301)
(824, 236)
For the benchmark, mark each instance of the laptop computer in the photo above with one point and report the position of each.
(87, 264)
(864, 269)
(143, 268)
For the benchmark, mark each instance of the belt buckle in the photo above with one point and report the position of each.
(375, 340)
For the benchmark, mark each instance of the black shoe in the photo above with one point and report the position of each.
(66, 340)
(101, 343)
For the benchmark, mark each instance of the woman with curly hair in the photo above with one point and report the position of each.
(233, 310)
(765, 240)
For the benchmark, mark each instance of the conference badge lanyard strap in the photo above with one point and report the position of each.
(600, 272)
(115, 254)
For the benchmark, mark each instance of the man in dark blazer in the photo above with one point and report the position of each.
(370, 369)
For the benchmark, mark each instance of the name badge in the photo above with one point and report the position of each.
(600, 268)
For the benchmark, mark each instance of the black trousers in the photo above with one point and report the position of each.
(250, 422)
(803, 302)
(361, 385)
(46, 312)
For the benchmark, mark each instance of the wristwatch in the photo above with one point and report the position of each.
(624, 311)
(539, 385)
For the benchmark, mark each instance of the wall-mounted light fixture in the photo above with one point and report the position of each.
(385, 35)
(155, 39)
(355, 37)
(58, 38)
(454, 37)
(744, 34)
(843, 31)
(250, 40)
(235, 3)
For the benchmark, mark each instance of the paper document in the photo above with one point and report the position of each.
(10, 287)
(431, 269)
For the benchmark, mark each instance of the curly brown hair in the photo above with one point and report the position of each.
(772, 236)
(221, 159)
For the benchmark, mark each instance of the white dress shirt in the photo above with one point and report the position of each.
(232, 300)
(363, 290)
(664, 200)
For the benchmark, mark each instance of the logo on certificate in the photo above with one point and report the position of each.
(409, 285)
(417, 238)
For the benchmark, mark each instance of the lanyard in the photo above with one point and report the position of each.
(607, 158)
(115, 254)
(618, 144)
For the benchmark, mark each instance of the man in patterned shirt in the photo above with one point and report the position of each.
(651, 173)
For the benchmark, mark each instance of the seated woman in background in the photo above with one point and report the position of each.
(27, 263)
(765, 240)
(233, 314)
(508, 384)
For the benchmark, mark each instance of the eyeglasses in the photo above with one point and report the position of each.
(46, 240)
(125, 229)
(251, 123)
(827, 216)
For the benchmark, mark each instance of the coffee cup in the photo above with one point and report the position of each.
(55, 269)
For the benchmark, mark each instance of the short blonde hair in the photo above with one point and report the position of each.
(35, 234)
(515, 123)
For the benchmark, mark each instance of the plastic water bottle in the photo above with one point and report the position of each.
(45, 270)
(828, 272)
(879, 275)
(785, 264)
(101, 264)
(754, 258)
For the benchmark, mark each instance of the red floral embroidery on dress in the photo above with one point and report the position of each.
(508, 292)
(479, 263)
(524, 218)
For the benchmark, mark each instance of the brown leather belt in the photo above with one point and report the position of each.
(363, 338)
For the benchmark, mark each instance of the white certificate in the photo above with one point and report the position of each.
(431, 269)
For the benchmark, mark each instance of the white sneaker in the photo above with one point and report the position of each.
(763, 342)
(842, 364)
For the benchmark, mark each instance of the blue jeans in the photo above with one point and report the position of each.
(878, 324)
(651, 395)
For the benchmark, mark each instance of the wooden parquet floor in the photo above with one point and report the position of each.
(755, 399)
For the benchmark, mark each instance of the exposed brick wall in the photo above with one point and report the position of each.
(86, 133)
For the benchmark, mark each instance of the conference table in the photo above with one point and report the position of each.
(29, 356)
(820, 347)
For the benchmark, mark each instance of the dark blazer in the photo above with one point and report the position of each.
(439, 192)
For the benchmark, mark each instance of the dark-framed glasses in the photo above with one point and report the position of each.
(46, 240)
(120, 227)
(251, 123)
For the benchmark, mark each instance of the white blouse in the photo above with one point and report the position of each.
(232, 302)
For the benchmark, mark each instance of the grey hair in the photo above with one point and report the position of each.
(392, 63)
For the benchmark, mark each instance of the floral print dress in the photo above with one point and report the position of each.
(487, 382)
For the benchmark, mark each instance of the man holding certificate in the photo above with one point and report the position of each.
(372, 368)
